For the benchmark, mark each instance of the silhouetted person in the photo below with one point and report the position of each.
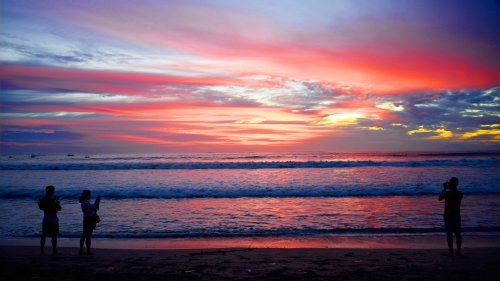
(89, 210)
(452, 219)
(50, 224)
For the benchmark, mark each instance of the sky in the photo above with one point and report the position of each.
(158, 76)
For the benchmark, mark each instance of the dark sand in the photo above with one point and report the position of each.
(25, 263)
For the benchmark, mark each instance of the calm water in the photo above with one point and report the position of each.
(247, 195)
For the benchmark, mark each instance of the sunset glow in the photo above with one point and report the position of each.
(228, 76)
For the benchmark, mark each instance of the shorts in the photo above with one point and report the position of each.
(87, 223)
(50, 229)
(453, 226)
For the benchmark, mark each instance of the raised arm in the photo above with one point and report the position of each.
(58, 205)
(97, 202)
(442, 196)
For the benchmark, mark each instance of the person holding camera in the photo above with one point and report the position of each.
(50, 224)
(89, 212)
(452, 220)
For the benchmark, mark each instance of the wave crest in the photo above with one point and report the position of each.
(492, 162)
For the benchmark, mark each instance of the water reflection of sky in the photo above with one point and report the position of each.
(257, 216)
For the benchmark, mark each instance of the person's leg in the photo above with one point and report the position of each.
(89, 241)
(42, 243)
(54, 244)
(449, 238)
(85, 239)
(82, 241)
(458, 233)
(449, 235)
(43, 238)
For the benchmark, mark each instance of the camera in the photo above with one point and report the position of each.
(446, 185)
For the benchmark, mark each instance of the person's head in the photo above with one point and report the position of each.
(49, 190)
(85, 195)
(453, 183)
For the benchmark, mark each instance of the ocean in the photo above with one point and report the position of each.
(308, 194)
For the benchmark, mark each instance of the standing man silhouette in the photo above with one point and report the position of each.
(452, 220)
(50, 224)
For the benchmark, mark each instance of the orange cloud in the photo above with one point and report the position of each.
(382, 57)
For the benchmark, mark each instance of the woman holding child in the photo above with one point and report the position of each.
(89, 212)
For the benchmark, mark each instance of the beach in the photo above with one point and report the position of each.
(403, 258)
(25, 263)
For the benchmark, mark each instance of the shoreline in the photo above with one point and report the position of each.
(402, 241)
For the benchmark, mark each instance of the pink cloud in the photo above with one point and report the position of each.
(126, 83)
(389, 55)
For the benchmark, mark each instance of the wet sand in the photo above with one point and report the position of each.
(390, 263)
(422, 241)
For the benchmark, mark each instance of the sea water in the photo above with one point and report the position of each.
(252, 194)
